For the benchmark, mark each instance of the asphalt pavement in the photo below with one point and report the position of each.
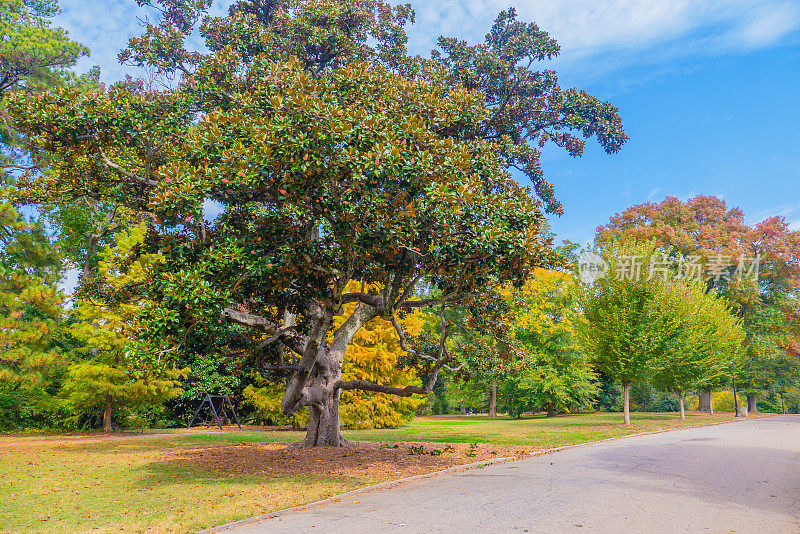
(741, 477)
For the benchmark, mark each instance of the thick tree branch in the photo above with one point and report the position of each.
(248, 319)
(286, 335)
(364, 298)
(380, 388)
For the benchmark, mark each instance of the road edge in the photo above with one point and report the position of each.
(339, 496)
(464, 467)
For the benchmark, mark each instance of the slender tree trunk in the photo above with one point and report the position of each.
(91, 250)
(680, 399)
(551, 410)
(783, 403)
(462, 409)
(626, 405)
(704, 401)
(752, 405)
(711, 403)
(493, 400)
(107, 414)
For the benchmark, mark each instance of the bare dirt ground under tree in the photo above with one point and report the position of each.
(362, 459)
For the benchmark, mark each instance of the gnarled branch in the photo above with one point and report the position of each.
(123, 172)
(286, 335)
(364, 298)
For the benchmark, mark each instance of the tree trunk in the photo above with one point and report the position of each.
(91, 250)
(783, 403)
(323, 424)
(626, 405)
(107, 414)
(323, 408)
(680, 399)
(704, 402)
(462, 409)
(493, 400)
(752, 405)
(551, 410)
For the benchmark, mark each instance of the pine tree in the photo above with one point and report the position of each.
(30, 313)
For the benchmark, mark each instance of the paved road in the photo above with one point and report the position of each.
(742, 477)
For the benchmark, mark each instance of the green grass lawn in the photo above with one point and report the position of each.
(540, 432)
(126, 485)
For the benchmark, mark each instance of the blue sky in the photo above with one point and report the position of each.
(708, 92)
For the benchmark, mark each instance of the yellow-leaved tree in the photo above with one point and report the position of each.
(374, 354)
(558, 376)
(107, 378)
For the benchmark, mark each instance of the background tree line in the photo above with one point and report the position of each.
(335, 271)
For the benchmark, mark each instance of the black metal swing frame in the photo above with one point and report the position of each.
(221, 400)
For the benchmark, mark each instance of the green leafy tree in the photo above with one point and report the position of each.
(109, 377)
(707, 339)
(33, 54)
(706, 229)
(335, 157)
(462, 395)
(557, 375)
(485, 342)
(620, 328)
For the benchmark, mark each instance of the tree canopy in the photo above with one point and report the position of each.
(657, 325)
(335, 157)
(724, 245)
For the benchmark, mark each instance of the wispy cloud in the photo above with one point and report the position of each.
(624, 32)
(653, 193)
(598, 38)
(786, 210)
(105, 27)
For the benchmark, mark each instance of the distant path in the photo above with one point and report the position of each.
(742, 477)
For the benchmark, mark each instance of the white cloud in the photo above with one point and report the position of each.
(794, 226)
(653, 193)
(105, 27)
(770, 24)
(623, 32)
(782, 210)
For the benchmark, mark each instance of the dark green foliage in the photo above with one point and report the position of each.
(664, 402)
(609, 395)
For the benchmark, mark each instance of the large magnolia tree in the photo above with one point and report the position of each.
(333, 157)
